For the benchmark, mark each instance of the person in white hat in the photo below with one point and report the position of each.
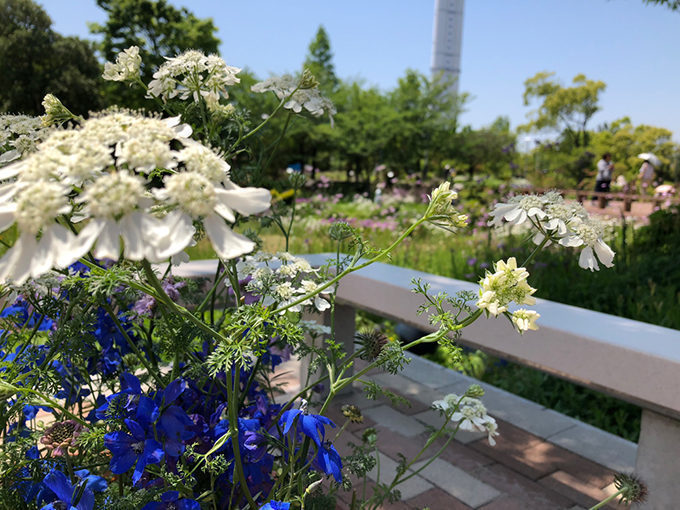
(645, 176)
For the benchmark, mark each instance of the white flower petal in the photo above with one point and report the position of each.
(587, 259)
(516, 216)
(223, 210)
(227, 243)
(179, 233)
(604, 253)
(131, 231)
(7, 215)
(245, 200)
(15, 265)
(63, 246)
(108, 242)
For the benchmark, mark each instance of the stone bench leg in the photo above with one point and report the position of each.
(345, 329)
(658, 460)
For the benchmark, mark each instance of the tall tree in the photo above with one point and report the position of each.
(365, 128)
(428, 118)
(158, 29)
(35, 61)
(320, 61)
(567, 109)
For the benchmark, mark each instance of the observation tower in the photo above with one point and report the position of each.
(447, 38)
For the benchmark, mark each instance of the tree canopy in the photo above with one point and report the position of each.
(36, 60)
(567, 109)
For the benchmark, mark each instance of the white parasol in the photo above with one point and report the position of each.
(652, 158)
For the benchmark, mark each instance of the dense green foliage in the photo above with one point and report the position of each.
(36, 60)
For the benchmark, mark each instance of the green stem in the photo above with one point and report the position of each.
(180, 310)
(607, 499)
(536, 250)
(233, 428)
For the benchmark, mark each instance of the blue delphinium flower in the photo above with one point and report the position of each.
(329, 461)
(171, 501)
(128, 450)
(66, 492)
(20, 311)
(276, 505)
(26, 485)
(177, 428)
(311, 425)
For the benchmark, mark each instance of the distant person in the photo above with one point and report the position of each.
(605, 169)
(645, 176)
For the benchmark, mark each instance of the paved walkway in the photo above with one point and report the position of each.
(639, 211)
(542, 459)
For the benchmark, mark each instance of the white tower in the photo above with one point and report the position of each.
(447, 39)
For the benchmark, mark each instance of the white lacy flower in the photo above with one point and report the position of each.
(497, 290)
(34, 210)
(567, 223)
(517, 210)
(524, 320)
(193, 74)
(282, 285)
(198, 198)
(96, 177)
(198, 158)
(441, 212)
(469, 412)
(588, 233)
(308, 287)
(314, 328)
(284, 87)
(126, 68)
(19, 135)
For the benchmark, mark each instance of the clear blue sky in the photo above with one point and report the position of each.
(634, 48)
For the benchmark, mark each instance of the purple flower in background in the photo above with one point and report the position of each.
(471, 261)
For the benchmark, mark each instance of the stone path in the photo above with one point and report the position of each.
(542, 459)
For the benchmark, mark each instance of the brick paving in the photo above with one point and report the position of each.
(522, 471)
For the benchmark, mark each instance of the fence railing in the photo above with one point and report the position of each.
(603, 197)
(631, 360)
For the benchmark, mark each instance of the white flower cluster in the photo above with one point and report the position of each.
(566, 223)
(282, 279)
(126, 68)
(441, 212)
(297, 94)
(506, 285)
(470, 413)
(19, 135)
(193, 74)
(102, 178)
